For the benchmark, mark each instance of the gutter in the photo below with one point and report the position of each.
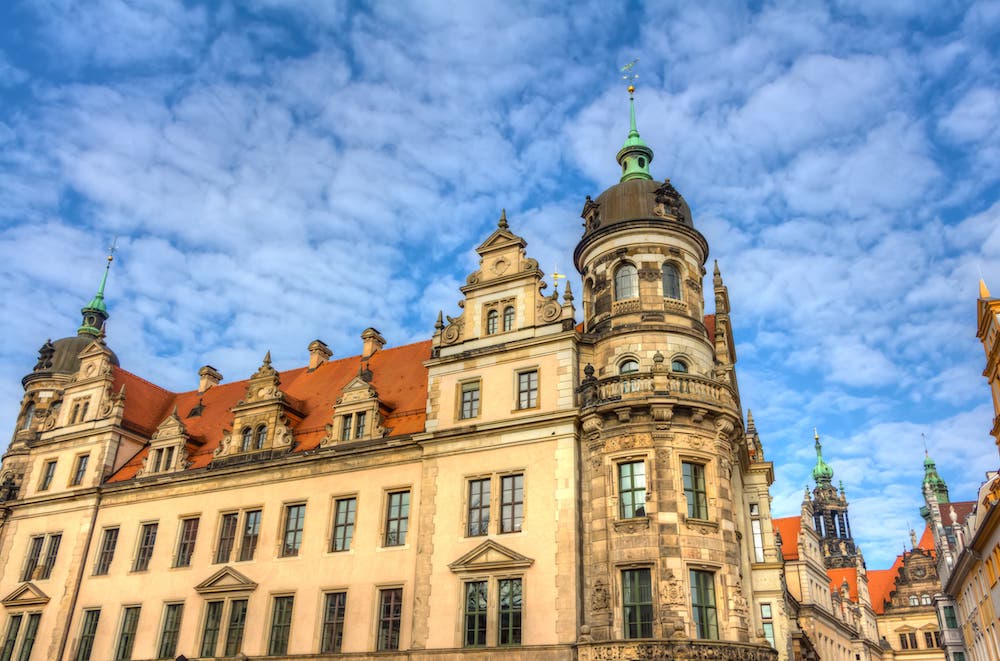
(79, 577)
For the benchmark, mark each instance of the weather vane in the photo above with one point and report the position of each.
(629, 75)
(556, 277)
(112, 249)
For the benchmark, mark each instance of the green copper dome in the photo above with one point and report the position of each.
(635, 155)
(933, 480)
(95, 313)
(822, 472)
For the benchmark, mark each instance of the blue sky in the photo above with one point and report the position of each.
(281, 171)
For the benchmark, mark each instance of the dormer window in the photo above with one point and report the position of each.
(671, 282)
(246, 439)
(261, 437)
(508, 318)
(163, 459)
(359, 424)
(79, 412)
(353, 425)
(492, 318)
(626, 282)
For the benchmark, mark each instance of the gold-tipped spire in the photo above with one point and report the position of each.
(984, 291)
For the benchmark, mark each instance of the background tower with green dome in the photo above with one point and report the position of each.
(830, 516)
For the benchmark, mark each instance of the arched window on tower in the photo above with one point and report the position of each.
(508, 318)
(246, 438)
(925, 600)
(625, 370)
(29, 415)
(678, 365)
(491, 322)
(261, 437)
(914, 601)
(626, 282)
(671, 281)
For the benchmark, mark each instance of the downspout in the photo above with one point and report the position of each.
(79, 577)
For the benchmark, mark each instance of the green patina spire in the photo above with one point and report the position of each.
(822, 473)
(635, 155)
(95, 313)
(933, 480)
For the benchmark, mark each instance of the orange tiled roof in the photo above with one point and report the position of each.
(789, 528)
(881, 583)
(399, 377)
(837, 578)
(710, 325)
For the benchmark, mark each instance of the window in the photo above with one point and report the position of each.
(508, 318)
(390, 615)
(79, 412)
(678, 366)
(397, 518)
(295, 518)
(333, 622)
(51, 551)
(628, 367)
(80, 470)
(925, 600)
(527, 389)
(227, 537)
(632, 489)
(703, 604)
(163, 460)
(353, 425)
(950, 621)
(29, 415)
(147, 539)
(626, 282)
(281, 626)
(172, 616)
(345, 427)
(87, 634)
(932, 639)
(767, 623)
(637, 603)
(343, 524)
(694, 490)
(246, 439)
(479, 508)
(511, 503)
(671, 281)
(185, 547)
(470, 400)
(261, 437)
(237, 623)
(914, 601)
(210, 633)
(30, 632)
(126, 639)
(475, 614)
(958, 656)
(10, 638)
(251, 533)
(757, 534)
(359, 423)
(491, 322)
(908, 641)
(31, 560)
(107, 551)
(510, 611)
(47, 474)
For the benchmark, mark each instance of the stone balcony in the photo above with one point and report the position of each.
(675, 650)
(639, 386)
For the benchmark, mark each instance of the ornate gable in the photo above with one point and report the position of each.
(168, 448)
(225, 580)
(489, 557)
(26, 594)
(359, 414)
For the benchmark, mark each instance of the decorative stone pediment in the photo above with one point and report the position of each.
(26, 594)
(168, 447)
(171, 428)
(490, 556)
(226, 580)
(357, 390)
(358, 398)
(264, 385)
(95, 361)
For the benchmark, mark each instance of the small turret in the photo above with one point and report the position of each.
(95, 313)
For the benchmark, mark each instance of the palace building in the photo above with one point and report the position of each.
(534, 481)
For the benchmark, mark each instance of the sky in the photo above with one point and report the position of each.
(280, 171)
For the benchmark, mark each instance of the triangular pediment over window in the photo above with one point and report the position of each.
(490, 556)
(226, 579)
(27, 594)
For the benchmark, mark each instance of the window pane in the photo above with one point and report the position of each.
(508, 318)
(359, 423)
(479, 507)
(281, 625)
(694, 490)
(50, 556)
(475, 614)
(295, 517)
(632, 489)
(703, 604)
(261, 438)
(491, 322)
(30, 632)
(637, 603)
(626, 282)
(31, 560)
(470, 400)
(171, 629)
(758, 540)
(251, 532)
(185, 548)
(511, 503)
(10, 638)
(107, 552)
(227, 537)
(81, 469)
(130, 622)
(510, 611)
(390, 615)
(397, 518)
(213, 622)
(333, 622)
(237, 622)
(527, 389)
(343, 525)
(87, 633)
(671, 281)
(147, 540)
(246, 439)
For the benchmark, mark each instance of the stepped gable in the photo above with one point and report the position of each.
(789, 528)
(398, 374)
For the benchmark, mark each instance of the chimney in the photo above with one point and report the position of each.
(209, 377)
(319, 353)
(372, 342)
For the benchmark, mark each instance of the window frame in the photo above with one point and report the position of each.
(397, 525)
(293, 524)
(226, 543)
(704, 616)
(11, 635)
(90, 619)
(127, 631)
(106, 551)
(509, 316)
(32, 557)
(342, 532)
(248, 541)
(280, 632)
(477, 524)
(515, 522)
(696, 498)
(48, 473)
(331, 638)
(186, 547)
(51, 553)
(474, 388)
(623, 513)
(621, 284)
(166, 648)
(211, 623)
(388, 629)
(234, 646)
(492, 321)
(527, 393)
(642, 626)
(479, 616)
(260, 437)
(675, 283)
(79, 469)
(143, 550)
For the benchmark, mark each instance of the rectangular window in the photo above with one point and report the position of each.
(107, 552)
(295, 519)
(359, 424)
(130, 623)
(30, 632)
(479, 507)
(527, 389)
(168, 458)
(172, 617)
(758, 540)
(227, 537)
(87, 634)
(637, 603)
(343, 524)
(632, 489)
(185, 547)
(929, 640)
(397, 519)
(31, 560)
(950, 621)
(767, 623)
(333, 622)
(694, 490)
(51, 551)
(511, 503)
(237, 623)
(703, 604)
(510, 611)
(80, 470)
(10, 639)
(390, 615)
(345, 428)
(903, 642)
(157, 460)
(470, 400)
(958, 656)
(475, 614)
(147, 540)
(213, 622)
(48, 472)
(251, 533)
(281, 626)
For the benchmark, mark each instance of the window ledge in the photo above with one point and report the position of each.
(633, 525)
(704, 526)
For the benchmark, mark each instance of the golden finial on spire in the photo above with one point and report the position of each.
(112, 249)
(556, 277)
(629, 75)
(815, 433)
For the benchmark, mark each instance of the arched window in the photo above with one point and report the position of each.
(914, 601)
(29, 415)
(491, 322)
(925, 599)
(671, 281)
(626, 282)
(261, 437)
(508, 318)
(678, 366)
(246, 438)
(626, 368)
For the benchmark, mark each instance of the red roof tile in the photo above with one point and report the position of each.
(837, 578)
(710, 325)
(881, 583)
(789, 528)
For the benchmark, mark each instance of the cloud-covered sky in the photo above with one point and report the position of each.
(278, 171)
